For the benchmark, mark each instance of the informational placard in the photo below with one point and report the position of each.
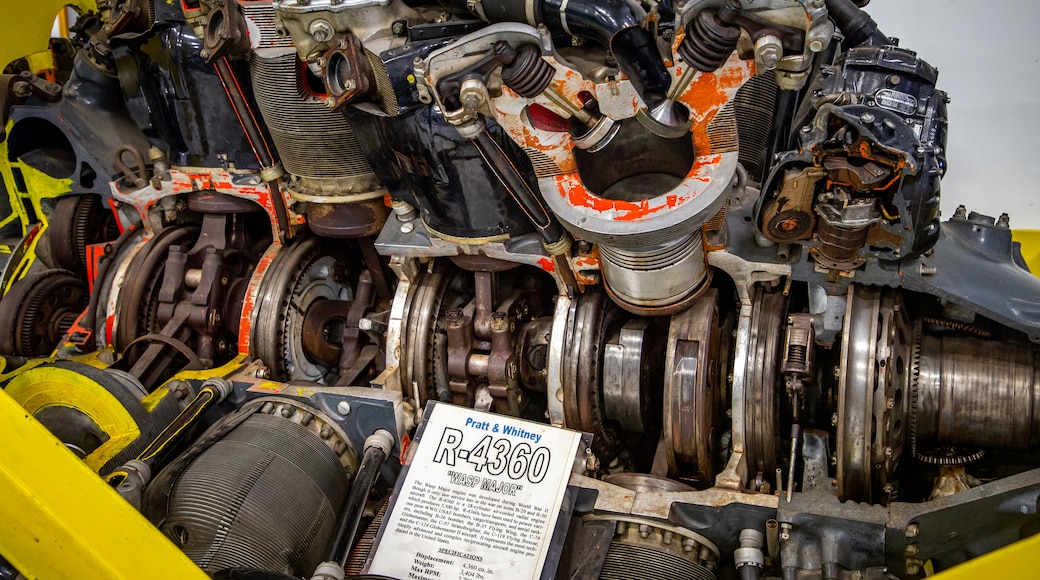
(479, 499)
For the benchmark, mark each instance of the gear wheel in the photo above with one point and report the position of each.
(38, 310)
(136, 315)
(309, 270)
(595, 317)
(950, 455)
(915, 381)
(77, 222)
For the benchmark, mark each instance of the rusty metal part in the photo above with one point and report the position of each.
(38, 310)
(136, 313)
(346, 71)
(593, 317)
(358, 348)
(714, 231)
(361, 550)
(306, 272)
(502, 367)
(347, 220)
(790, 217)
(424, 336)
(860, 176)
(762, 387)
(482, 341)
(226, 33)
(322, 331)
(220, 203)
(459, 330)
(692, 388)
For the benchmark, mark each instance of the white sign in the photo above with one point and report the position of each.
(479, 499)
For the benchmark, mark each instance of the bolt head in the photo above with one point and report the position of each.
(343, 407)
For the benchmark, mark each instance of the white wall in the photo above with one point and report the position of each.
(988, 56)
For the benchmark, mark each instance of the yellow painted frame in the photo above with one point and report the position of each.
(62, 521)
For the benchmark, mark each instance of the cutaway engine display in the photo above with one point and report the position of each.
(260, 236)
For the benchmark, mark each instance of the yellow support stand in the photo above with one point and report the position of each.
(1019, 560)
(29, 30)
(1030, 240)
(60, 520)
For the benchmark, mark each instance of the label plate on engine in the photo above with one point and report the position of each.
(481, 496)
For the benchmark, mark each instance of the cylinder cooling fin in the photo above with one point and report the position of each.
(317, 146)
(264, 496)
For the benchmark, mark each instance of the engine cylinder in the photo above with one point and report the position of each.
(264, 497)
(317, 146)
(660, 276)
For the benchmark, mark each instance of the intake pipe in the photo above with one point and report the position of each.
(857, 26)
(611, 23)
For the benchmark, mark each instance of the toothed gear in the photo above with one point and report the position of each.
(949, 455)
(38, 310)
(955, 325)
(915, 380)
(77, 222)
(308, 270)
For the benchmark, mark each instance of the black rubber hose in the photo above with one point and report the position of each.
(354, 506)
(857, 26)
(598, 20)
(637, 56)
